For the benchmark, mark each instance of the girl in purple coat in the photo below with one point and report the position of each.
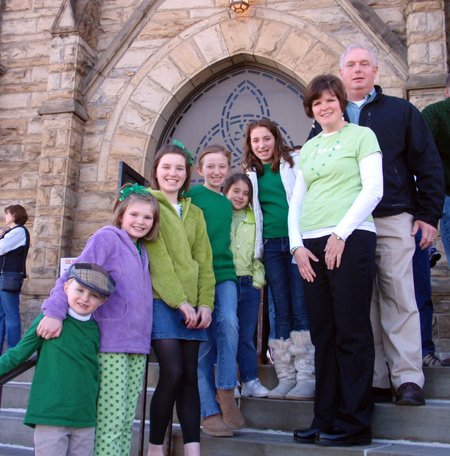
(125, 322)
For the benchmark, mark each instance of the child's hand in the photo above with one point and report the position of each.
(190, 315)
(204, 317)
(49, 328)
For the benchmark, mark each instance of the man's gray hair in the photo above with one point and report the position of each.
(358, 46)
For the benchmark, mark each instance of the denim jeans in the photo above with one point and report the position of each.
(286, 285)
(249, 299)
(445, 228)
(221, 347)
(9, 318)
(422, 290)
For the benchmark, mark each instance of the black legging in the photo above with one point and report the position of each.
(178, 360)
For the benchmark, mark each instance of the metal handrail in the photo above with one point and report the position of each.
(11, 375)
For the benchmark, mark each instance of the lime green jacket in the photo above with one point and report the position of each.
(243, 248)
(181, 258)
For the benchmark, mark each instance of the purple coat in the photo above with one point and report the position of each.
(125, 319)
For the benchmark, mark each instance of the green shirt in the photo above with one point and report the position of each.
(66, 378)
(218, 211)
(330, 167)
(274, 205)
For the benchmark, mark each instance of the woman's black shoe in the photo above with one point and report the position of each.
(306, 435)
(338, 437)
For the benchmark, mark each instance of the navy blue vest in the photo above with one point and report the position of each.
(14, 260)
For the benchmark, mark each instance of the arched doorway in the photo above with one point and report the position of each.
(219, 111)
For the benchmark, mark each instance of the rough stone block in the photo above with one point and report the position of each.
(167, 75)
(211, 44)
(187, 58)
(154, 103)
(294, 50)
(270, 38)
(14, 101)
(241, 34)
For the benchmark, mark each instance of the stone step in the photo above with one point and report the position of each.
(251, 443)
(390, 421)
(15, 450)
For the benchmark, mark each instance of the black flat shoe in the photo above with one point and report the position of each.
(381, 395)
(338, 437)
(306, 435)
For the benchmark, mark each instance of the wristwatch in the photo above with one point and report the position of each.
(337, 236)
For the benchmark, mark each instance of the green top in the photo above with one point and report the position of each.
(181, 259)
(274, 205)
(437, 117)
(66, 378)
(217, 210)
(330, 167)
(243, 234)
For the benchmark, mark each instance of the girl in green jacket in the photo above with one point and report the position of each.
(183, 289)
(250, 275)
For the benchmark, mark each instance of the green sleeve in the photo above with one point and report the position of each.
(202, 254)
(165, 281)
(431, 120)
(16, 356)
(259, 274)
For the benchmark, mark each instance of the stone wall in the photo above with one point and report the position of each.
(89, 83)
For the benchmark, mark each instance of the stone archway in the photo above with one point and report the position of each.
(144, 103)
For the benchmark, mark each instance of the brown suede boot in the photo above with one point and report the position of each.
(231, 414)
(214, 425)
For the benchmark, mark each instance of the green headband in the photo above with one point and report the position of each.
(135, 188)
(186, 151)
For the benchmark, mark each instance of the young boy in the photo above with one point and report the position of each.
(214, 165)
(63, 395)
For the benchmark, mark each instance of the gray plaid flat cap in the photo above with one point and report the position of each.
(94, 277)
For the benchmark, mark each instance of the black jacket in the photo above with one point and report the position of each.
(408, 150)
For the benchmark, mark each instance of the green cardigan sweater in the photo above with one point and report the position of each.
(437, 117)
(181, 259)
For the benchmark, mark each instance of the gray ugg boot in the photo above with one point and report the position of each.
(303, 352)
(284, 367)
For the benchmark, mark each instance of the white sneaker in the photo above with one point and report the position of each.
(237, 393)
(254, 388)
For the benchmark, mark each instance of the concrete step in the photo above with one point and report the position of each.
(251, 443)
(437, 380)
(390, 421)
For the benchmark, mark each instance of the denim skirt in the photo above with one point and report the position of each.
(168, 323)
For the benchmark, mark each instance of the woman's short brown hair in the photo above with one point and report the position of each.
(318, 85)
(172, 149)
(18, 212)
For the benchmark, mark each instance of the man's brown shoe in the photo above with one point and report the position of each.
(409, 394)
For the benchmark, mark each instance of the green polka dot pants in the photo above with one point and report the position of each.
(121, 376)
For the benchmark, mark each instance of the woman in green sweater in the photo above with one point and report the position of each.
(183, 289)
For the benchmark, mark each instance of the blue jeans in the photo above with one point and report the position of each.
(9, 318)
(422, 290)
(445, 228)
(221, 347)
(249, 299)
(286, 285)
